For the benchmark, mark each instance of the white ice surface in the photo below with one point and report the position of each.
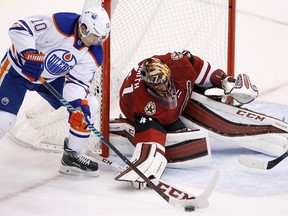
(30, 184)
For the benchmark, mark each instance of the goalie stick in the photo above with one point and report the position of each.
(259, 164)
(170, 194)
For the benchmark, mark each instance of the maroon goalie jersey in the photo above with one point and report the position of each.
(150, 118)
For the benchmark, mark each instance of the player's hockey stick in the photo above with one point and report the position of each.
(259, 164)
(200, 202)
(170, 194)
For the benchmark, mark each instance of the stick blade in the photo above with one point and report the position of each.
(252, 162)
(200, 201)
(209, 189)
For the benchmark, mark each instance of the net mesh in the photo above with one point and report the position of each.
(139, 29)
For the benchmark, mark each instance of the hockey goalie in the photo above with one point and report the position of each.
(169, 127)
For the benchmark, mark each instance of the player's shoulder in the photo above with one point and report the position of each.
(65, 22)
(172, 57)
(97, 53)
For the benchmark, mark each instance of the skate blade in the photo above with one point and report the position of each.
(74, 171)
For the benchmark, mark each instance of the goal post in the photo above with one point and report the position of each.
(222, 13)
(139, 29)
(105, 106)
(231, 38)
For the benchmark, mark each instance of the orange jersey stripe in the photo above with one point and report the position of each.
(4, 67)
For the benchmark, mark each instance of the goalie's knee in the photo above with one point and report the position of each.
(7, 122)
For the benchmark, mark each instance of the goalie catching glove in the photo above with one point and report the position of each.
(241, 90)
(149, 159)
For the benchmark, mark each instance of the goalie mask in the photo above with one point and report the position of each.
(97, 23)
(157, 77)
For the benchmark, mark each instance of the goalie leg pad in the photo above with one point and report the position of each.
(188, 148)
(149, 159)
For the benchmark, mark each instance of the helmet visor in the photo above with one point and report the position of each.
(164, 93)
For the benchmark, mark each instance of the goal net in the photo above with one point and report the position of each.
(139, 29)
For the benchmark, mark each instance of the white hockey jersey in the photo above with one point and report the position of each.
(57, 37)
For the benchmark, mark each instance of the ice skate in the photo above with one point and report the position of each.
(74, 163)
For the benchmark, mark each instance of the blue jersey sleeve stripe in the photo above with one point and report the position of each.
(21, 26)
(26, 25)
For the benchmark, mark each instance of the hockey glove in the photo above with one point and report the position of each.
(242, 90)
(80, 119)
(34, 64)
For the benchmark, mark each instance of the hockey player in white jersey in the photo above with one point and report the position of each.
(66, 50)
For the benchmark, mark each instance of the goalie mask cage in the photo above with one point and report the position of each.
(139, 29)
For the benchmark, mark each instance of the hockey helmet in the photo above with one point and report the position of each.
(157, 77)
(97, 22)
